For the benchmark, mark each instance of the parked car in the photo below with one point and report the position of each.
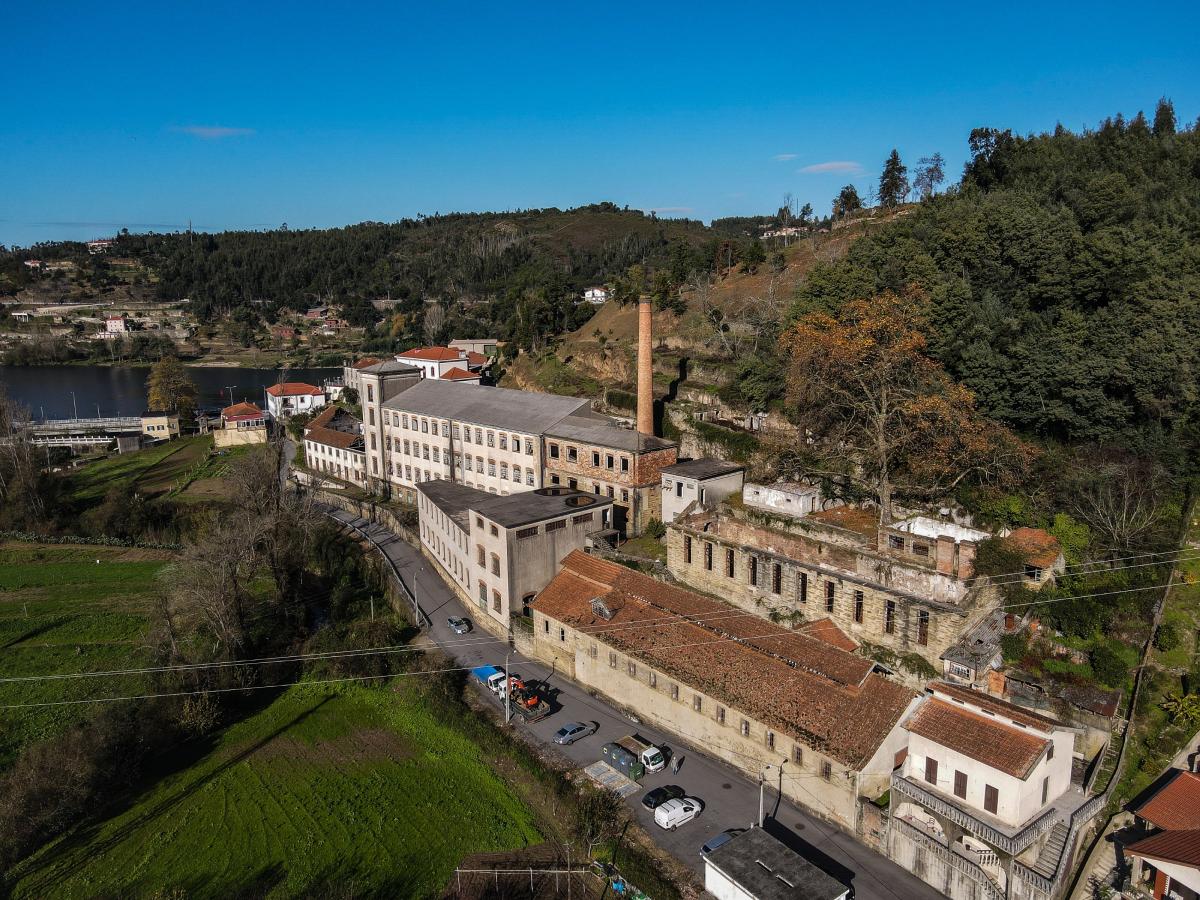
(673, 813)
(459, 624)
(573, 731)
(718, 840)
(660, 795)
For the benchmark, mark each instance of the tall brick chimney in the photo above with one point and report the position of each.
(645, 385)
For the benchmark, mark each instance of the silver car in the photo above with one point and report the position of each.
(459, 624)
(573, 731)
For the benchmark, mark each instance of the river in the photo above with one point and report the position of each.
(121, 390)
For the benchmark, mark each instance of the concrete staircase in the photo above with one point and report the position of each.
(1047, 861)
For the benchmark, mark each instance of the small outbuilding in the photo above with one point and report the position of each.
(755, 866)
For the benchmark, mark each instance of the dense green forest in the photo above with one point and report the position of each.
(516, 275)
(1064, 274)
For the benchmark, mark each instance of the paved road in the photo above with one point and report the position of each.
(730, 798)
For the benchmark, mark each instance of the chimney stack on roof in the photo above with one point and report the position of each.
(645, 385)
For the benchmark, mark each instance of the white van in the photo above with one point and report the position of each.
(673, 813)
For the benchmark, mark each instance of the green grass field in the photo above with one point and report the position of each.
(361, 787)
(61, 612)
(154, 470)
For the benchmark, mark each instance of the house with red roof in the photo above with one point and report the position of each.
(1167, 861)
(241, 423)
(291, 397)
(446, 363)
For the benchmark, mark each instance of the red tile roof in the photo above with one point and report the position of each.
(322, 418)
(1181, 847)
(822, 695)
(294, 389)
(826, 630)
(986, 740)
(996, 706)
(476, 359)
(1176, 806)
(1039, 547)
(241, 410)
(459, 374)
(432, 354)
(364, 362)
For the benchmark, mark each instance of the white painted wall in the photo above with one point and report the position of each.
(678, 491)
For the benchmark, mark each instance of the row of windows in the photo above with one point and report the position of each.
(776, 585)
(825, 767)
(599, 460)
(464, 433)
(991, 796)
(597, 489)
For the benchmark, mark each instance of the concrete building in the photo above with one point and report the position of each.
(701, 481)
(379, 383)
(694, 667)
(241, 423)
(789, 498)
(881, 585)
(484, 437)
(595, 454)
(498, 552)
(293, 397)
(485, 347)
(350, 372)
(114, 326)
(448, 363)
(755, 866)
(597, 296)
(333, 445)
(983, 803)
(160, 426)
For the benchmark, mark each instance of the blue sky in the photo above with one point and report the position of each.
(254, 114)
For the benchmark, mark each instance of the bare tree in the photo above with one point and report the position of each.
(21, 500)
(433, 323)
(1120, 498)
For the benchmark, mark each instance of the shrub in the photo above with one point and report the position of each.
(656, 529)
(1013, 647)
(1109, 668)
(1167, 637)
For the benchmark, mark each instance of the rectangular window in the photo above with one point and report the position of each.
(554, 451)
(1045, 790)
(960, 784)
(482, 594)
(923, 627)
(491, 441)
(991, 798)
(624, 463)
(1050, 752)
(708, 548)
(776, 579)
(562, 635)
(802, 587)
(495, 564)
(674, 692)
(583, 518)
(556, 525)
(653, 678)
(370, 393)
(572, 454)
(495, 531)
(720, 715)
(687, 550)
(931, 770)
(632, 669)
(528, 448)
(754, 571)
(829, 589)
(770, 740)
(697, 703)
(424, 426)
(889, 617)
(482, 555)
(546, 625)
(858, 607)
(896, 543)
(596, 458)
(745, 728)
(479, 435)
(729, 563)
(608, 461)
(496, 601)
(798, 754)
(921, 549)
(504, 442)
(612, 660)
(827, 770)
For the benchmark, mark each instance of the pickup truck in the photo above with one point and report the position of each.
(651, 758)
(523, 701)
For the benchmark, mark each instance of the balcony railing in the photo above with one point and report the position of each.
(952, 859)
(1012, 844)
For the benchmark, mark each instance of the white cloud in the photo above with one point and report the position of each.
(784, 157)
(834, 165)
(213, 132)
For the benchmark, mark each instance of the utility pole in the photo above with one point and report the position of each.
(507, 687)
(74, 405)
(761, 785)
(230, 387)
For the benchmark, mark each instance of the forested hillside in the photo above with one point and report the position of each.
(1064, 275)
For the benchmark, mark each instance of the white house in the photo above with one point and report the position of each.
(292, 397)
(115, 325)
(755, 866)
(791, 498)
(596, 295)
(444, 362)
(703, 481)
(333, 444)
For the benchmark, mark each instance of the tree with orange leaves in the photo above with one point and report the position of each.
(881, 415)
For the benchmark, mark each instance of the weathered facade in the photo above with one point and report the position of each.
(694, 667)
(881, 586)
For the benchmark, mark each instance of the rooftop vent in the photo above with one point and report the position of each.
(552, 491)
(600, 608)
(580, 500)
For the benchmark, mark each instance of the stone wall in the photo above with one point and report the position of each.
(237, 437)
(803, 580)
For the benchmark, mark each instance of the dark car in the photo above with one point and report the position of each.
(459, 624)
(718, 840)
(660, 795)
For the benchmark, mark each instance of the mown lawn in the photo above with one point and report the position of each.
(359, 786)
(61, 611)
(152, 471)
